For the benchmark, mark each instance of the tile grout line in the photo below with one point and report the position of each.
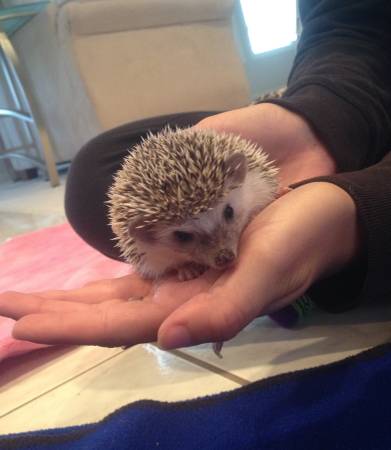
(191, 359)
(59, 385)
(217, 370)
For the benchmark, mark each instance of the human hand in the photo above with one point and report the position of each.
(304, 235)
(285, 136)
(106, 312)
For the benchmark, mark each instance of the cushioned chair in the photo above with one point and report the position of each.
(96, 64)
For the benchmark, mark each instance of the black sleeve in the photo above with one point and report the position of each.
(341, 78)
(341, 84)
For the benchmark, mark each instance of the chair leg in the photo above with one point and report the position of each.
(38, 132)
(7, 163)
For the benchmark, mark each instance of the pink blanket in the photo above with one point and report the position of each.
(51, 258)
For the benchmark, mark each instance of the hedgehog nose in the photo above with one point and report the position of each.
(224, 258)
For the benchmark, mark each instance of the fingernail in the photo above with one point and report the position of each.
(175, 337)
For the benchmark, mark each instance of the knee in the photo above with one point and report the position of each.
(88, 181)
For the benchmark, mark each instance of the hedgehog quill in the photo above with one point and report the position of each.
(182, 198)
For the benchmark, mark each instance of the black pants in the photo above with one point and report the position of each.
(91, 174)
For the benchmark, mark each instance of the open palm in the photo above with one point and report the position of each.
(272, 268)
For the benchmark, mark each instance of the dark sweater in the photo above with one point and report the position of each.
(341, 84)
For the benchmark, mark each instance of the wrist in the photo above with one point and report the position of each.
(339, 232)
(301, 149)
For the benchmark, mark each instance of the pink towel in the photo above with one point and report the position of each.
(51, 258)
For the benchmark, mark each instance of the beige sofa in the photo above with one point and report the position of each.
(95, 64)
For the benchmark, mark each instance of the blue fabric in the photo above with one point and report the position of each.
(344, 405)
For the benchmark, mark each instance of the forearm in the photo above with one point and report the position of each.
(366, 277)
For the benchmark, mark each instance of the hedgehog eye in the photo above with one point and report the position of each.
(228, 213)
(183, 237)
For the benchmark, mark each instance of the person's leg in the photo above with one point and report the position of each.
(92, 171)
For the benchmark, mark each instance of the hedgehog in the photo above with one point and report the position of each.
(182, 198)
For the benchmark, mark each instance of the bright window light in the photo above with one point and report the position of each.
(271, 24)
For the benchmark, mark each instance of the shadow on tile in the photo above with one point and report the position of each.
(263, 348)
(13, 368)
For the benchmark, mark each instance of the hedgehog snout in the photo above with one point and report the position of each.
(224, 258)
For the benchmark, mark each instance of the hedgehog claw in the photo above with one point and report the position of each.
(217, 347)
(190, 271)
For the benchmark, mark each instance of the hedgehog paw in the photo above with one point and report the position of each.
(190, 271)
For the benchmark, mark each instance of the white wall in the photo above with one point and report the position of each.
(267, 71)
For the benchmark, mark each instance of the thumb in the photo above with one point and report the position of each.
(201, 320)
(217, 315)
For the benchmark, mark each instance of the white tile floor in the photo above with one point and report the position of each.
(29, 205)
(66, 386)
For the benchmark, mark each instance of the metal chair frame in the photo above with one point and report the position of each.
(24, 111)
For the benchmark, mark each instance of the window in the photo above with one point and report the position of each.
(271, 24)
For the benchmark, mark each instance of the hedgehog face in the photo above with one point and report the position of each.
(214, 235)
(211, 238)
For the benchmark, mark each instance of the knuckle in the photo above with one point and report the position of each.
(11, 297)
(105, 324)
(96, 283)
(107, 288)
(204, 123)
(209, 122)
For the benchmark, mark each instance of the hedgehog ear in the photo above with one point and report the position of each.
(236, 165)
(142, 231)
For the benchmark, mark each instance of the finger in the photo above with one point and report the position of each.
(106, 325)
(173, 293)
(219, 314)
(95, 292)
(15, 305)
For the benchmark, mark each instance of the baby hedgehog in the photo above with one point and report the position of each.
(182, 198)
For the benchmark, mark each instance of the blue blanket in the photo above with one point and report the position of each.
(344, 405)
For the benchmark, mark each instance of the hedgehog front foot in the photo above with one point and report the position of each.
(190, 271)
